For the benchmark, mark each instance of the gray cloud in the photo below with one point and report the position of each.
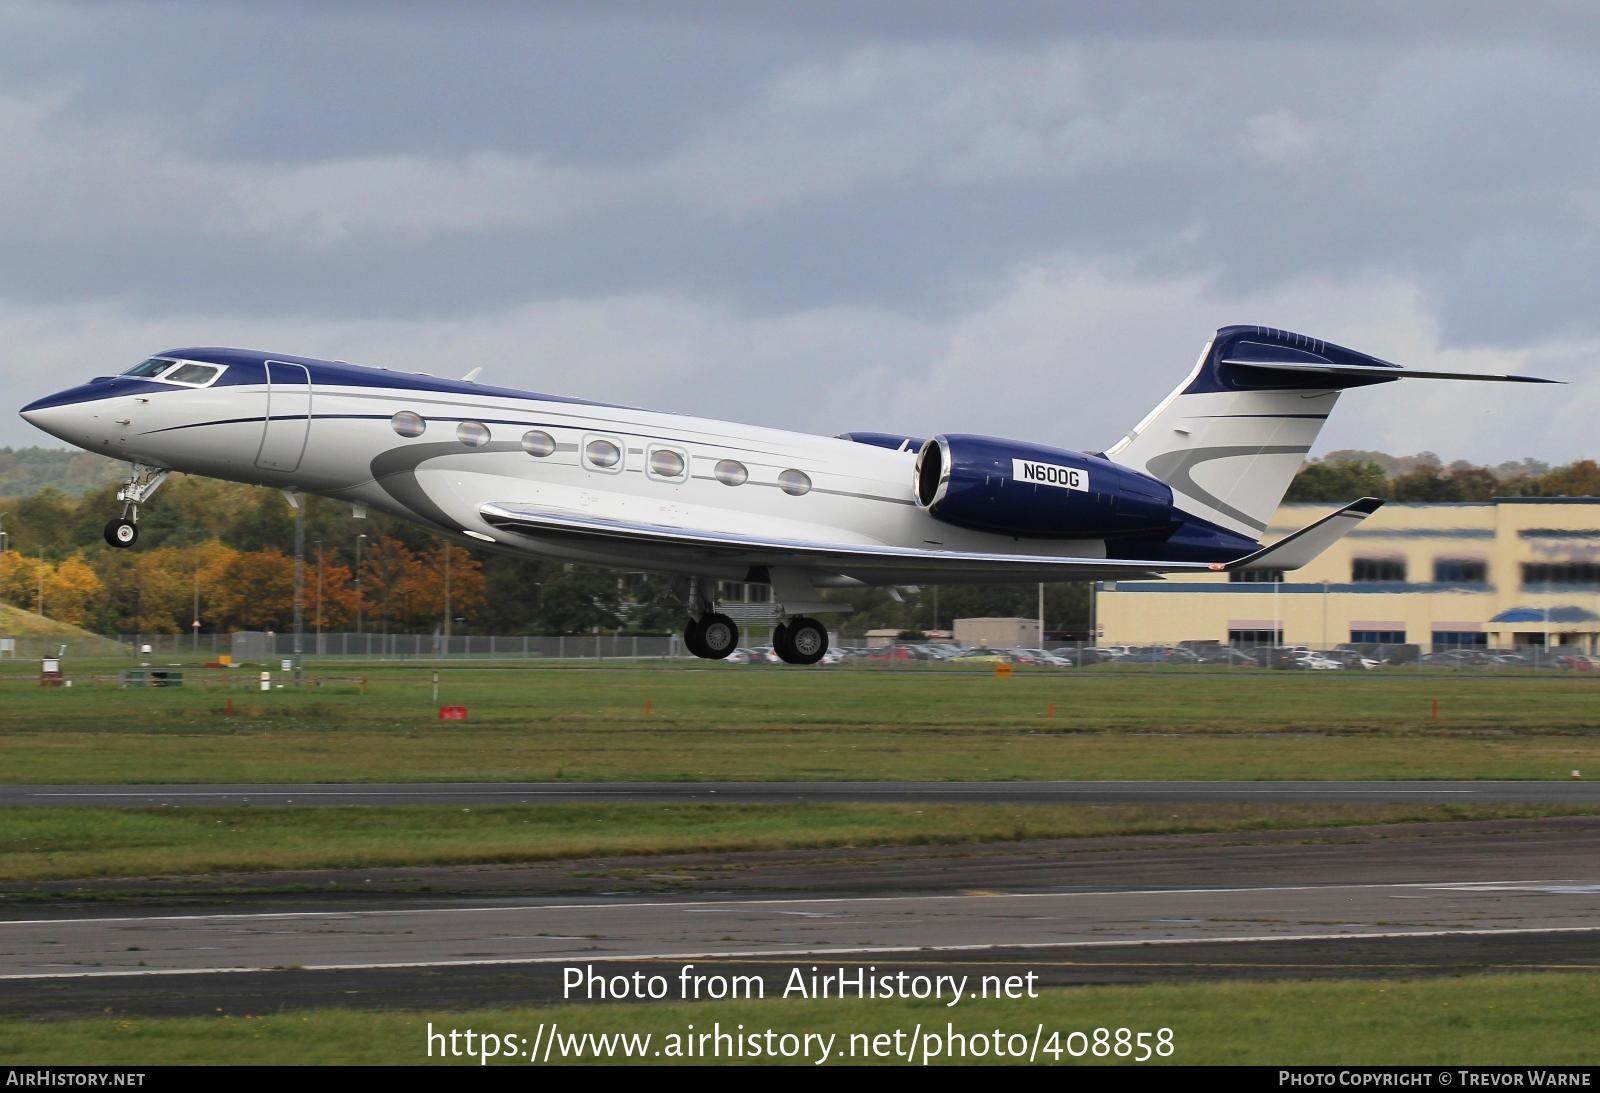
(882, 206)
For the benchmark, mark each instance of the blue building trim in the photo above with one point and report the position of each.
(1254, 588)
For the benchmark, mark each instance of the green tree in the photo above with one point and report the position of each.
(575, 599)
(1338, 482)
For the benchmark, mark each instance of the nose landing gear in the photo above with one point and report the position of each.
(142, 484)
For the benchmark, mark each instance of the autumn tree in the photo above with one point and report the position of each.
(390, 577)
(331, 593)
(1580, 479)
(70, 590)
(428, 594)
(255, 591)
(21, 577)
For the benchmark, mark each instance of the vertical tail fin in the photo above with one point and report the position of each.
(1231, 437)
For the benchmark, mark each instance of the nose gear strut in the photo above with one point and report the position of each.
(142, 484)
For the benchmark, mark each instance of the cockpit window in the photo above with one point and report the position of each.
(198, 374)
(152, 367)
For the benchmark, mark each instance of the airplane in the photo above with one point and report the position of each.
(1189, 489)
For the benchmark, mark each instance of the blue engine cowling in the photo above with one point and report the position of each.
(988, 484)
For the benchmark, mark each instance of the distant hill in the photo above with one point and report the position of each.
(37, 634)
(26, 471)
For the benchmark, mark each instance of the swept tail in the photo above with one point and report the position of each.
(1231, 437)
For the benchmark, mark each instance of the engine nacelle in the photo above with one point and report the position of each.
(985, 483)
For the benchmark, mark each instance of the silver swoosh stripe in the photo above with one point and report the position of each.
(1174, 469)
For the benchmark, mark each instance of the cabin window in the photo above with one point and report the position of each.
(730, 472)
(668, 464)
(152, 367)
(602, 454)
(794, 483)
(407, 423)
(538, 443)
(474, 434)
(197, 374)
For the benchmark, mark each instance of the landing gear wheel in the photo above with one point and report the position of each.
(694, 639)
(719, 635)
(122, 533)
(805, 641)
(780, 643)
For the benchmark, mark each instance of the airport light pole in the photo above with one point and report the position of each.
(361, 591)
(318, 625)
(299, 583)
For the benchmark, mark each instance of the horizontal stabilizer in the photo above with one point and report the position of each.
(1378, 371)
(1301, 547)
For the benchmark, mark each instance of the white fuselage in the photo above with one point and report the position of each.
(340, 440)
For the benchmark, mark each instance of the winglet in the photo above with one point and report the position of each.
(1301, 547)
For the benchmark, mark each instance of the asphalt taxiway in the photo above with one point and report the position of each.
(1381, 900)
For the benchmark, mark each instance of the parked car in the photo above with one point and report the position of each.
(1160, 654)
(1227, 654)
(1319, 663)
(1349, 658)
(981, 655)
(1041, 658)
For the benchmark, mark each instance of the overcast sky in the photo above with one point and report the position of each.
(1022, 219)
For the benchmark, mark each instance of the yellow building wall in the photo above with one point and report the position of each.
(1322, 604)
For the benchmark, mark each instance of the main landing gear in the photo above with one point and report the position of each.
(142, 484)
(711, 635)
(800, 641)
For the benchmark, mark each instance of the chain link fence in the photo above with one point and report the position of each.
(269, 647)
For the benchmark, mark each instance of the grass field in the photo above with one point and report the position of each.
(729, 723)
(1545, 1019)
(39, 844)
(379, 723)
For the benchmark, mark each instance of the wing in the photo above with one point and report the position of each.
(876, 561)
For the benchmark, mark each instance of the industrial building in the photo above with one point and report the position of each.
(1503, 574)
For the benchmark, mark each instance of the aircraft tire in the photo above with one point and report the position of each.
(780, 643)
(694, 638)
(719, 635)
(122, 533)
(807, 641)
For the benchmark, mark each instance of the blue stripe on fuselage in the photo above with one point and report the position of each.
(340, 374)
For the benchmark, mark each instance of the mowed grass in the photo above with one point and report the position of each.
(733, 723)
(1540, 1020)
(39, 844)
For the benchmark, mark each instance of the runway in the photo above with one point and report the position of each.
(566, 793)
(1393, 900)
